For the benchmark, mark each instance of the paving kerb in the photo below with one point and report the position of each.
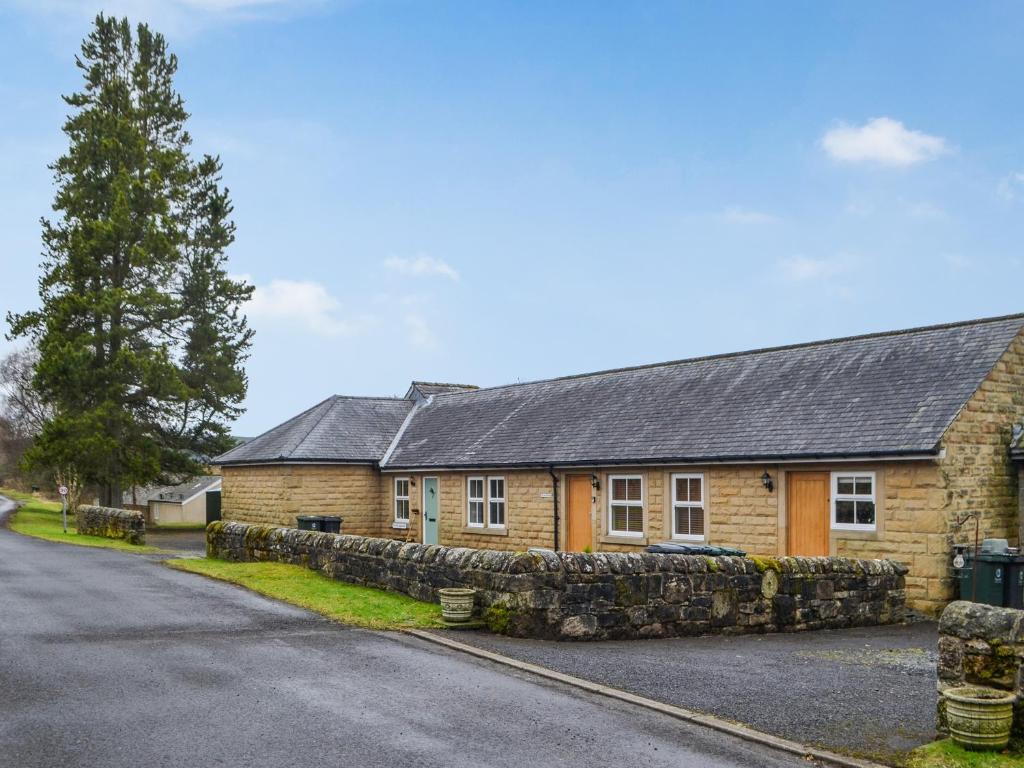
(686, 715)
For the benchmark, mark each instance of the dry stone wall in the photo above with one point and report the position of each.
(595, 596)
(111, 523)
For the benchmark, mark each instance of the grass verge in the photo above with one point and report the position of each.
(946, 754)
(347, 603)
(42, 519)
(10, 493)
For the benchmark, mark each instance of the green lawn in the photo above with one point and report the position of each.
(42, 519)
(946, 754)
(347, 603)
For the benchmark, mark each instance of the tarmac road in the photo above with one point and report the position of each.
(111, 659)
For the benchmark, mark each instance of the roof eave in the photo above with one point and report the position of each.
(283, 460)
(896, 455)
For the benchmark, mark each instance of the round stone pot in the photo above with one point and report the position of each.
(457, 604)
(979, 718)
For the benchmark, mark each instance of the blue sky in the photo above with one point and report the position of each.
(488, 192)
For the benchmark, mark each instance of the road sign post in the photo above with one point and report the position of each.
(63, 491)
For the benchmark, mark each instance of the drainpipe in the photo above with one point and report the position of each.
(554, 498)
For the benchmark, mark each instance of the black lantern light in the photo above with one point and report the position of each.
(766, 481)
(595, 483)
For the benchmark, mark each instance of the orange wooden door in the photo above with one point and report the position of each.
(807, 513)
(579, 533)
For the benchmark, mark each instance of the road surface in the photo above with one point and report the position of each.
(111, 659)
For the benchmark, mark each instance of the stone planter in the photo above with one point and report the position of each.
(457, 604)
(979, 718)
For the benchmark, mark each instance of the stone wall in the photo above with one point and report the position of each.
(595, 596)
(111, 523)
(977, 473)
(982, 645)
(275, 494)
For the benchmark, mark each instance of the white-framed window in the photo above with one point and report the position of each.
(853, 501)
(495, 502)
(475, 508)
(401, 499)
(688, 511)
(626, 505)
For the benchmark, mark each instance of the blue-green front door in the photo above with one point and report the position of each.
(430, 510)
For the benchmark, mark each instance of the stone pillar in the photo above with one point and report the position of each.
(981, 645)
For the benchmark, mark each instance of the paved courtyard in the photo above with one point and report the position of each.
(188, 542)
(869, 691)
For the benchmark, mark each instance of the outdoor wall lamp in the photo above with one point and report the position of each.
(595, 483)
(766, 481)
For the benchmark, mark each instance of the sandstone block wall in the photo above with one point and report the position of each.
(982, 645)
(595, 596)
(111, 523)
(923, 500)
(276, 494)
(529, 520)
(740, 512)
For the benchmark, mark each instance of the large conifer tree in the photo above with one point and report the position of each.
(140, 335)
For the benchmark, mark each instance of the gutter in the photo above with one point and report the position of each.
(308, 462)
(811, 458)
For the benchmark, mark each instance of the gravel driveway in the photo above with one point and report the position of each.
(867, 692)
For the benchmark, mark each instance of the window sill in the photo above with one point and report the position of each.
(689, 539)
(856, 533)
(636, 541)
(485, 531)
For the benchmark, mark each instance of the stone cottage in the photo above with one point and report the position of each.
(871, 446)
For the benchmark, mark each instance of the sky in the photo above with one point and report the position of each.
(489, 192)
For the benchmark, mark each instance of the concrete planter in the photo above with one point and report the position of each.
(979, 718)
(457, 604)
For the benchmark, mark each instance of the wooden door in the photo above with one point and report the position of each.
(579, 533)
(807, 513)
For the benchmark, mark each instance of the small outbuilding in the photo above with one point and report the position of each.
(184, 503)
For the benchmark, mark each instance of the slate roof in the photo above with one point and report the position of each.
(340, 429)
(882, 394)
(427, 388)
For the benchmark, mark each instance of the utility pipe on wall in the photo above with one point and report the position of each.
(554, 499)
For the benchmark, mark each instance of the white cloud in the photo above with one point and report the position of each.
(884, 141)
(956, 261)
(738, 215)
(1011, 187)
(799, 269)
(420, 333)
(304, 303)
(925, 210)
(859, 208)
(421, 265)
